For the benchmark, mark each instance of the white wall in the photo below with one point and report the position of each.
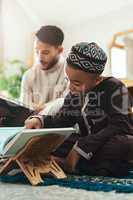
(19, 22)
(101, 29)
(17, 29)
(1, 35)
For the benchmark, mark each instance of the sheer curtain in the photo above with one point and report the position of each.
(1, 34)
(118, 62)
(129, 54)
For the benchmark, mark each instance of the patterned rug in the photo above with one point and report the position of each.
(106, 184)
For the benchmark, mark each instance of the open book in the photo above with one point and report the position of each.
(13, 113)
(14, 139)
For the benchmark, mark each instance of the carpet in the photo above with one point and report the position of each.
(106, 184)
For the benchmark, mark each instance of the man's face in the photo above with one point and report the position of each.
(80, 81)
(47, 54)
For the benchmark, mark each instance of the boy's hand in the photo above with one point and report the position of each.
(71, 160)
(68, 163)
(33, 123)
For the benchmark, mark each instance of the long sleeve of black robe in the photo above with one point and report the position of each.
(116, 104)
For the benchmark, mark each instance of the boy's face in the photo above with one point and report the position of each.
(47, 54)
(80, 81)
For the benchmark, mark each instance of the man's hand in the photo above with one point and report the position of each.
(33, 123)
(38, 108)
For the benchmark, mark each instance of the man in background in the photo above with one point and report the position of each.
(45, 81)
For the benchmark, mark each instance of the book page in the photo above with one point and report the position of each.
(6, 134)
(21, 139)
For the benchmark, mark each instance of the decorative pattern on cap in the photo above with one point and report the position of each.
(88, 57)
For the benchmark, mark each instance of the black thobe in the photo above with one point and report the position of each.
(106, 124)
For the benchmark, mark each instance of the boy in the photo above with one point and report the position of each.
(102, 108)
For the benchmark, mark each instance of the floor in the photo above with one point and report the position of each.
(27, 192)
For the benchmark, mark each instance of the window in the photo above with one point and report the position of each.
(118, 55)
(118, 62)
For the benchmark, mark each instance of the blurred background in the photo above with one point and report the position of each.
(109, 23)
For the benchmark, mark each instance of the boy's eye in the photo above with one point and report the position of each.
(76, 84)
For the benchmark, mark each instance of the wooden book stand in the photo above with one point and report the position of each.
(34, 159)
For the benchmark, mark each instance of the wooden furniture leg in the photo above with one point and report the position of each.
(34, 161)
